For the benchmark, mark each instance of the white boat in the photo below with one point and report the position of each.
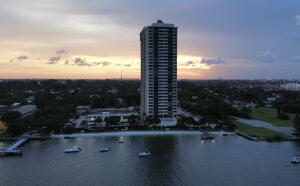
(144, 154)
(73, 149)
(104, 149)
(296, 159)
(120, 140)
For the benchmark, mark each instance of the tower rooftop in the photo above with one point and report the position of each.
(160, 23)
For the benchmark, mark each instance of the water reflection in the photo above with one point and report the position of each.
(161, 162)
(175, 160)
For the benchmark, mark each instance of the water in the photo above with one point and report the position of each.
(175, 160)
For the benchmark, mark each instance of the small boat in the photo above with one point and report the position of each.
(73, 149)
(68, 137)
(296, 159)
(206, 136)
(120, 140)
(144, 154)
(104, 149)
(15, 152)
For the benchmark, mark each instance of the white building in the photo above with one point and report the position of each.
(159, 71)
(91, 118)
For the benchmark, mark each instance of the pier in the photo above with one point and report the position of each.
(12, 149)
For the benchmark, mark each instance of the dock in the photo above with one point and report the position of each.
(12, 149)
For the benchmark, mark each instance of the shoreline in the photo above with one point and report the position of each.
(136, 133)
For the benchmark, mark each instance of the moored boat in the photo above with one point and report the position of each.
(144, 154)
(296, 159)
(104, 149)
(69, 137)
(206, 136)
(120, 140)
(73, 149)
(15, 152)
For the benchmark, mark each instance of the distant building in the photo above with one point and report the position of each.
(89, 120)
(159, 71)
(270, 100)
(113, 90)
(26, 110)
(30, 99)
(291, 86)
(120, 100)
(82, 109)
(195, 97)
(15, 105)
(3, 108)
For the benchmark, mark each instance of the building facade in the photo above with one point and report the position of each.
(159, 70)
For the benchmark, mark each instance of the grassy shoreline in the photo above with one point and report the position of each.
(258, 132)
(270, 115)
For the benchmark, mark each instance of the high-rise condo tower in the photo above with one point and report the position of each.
(159, 72)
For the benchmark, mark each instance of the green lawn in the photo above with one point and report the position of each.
(257, 131)
(270, 115)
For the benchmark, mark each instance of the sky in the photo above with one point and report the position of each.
(99, 39)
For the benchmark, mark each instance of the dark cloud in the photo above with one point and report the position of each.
(267, 57)
(21, 58)
(127, 65)
(103, 63)
(53, 60)
(190, 63)
(213, 61)
(60, 52)
(66, 62)
(296, 58)
(81, 62)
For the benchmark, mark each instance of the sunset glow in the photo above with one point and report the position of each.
(37, 38)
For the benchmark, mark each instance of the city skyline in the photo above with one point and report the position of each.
(63, 39)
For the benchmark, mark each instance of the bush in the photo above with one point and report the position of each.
(11, 116)
(283, 116)
(69, 129)
(275, 138)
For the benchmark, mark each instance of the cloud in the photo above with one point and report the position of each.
(298, 20)
(189, 63)
(81, 62)
(127, 65)
(296, 58)
(213, 61)
(53, 60)
(103, 64)
(66, 62)
(60, 52)
(21, 58)
(267, 57)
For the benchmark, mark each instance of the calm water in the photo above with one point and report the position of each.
(175, 160)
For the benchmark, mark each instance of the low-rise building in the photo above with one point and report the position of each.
(95, 115)
(26, 110)
(15, 105)
(82, 109)
(3, 108)
(30, 99)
